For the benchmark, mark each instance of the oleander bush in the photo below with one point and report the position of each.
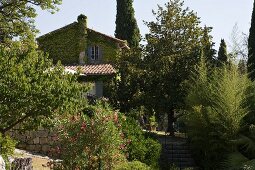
(91, 142)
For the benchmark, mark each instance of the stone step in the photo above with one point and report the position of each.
(180, 159)
(176, 151)
(178, 155)
(183, 164)
(175, 147)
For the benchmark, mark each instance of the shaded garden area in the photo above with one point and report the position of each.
(174, 102)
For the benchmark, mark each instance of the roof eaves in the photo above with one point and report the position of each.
(57, 30)
(124, 42)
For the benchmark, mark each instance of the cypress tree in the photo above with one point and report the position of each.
(251, 47)
(126, 25)
(222, 53)
(208, 50)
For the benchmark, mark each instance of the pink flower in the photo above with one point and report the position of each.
(72, 118)
(58, 149)
(83, 126)
(92, 122)
(73, 139)
(122, 146)
(55, 138)
(115, 117)
(122, 135)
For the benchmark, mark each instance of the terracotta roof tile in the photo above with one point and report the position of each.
(97, 69)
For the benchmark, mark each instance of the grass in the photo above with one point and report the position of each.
(39, 162)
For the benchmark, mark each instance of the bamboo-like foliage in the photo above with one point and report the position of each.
(215, 110)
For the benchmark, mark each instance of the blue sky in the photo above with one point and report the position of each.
(220, 14)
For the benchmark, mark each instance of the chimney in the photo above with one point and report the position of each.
(82, 22)
(82, 19)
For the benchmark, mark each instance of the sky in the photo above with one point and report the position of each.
(222, 15)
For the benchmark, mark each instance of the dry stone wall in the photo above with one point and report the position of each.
(40, 141)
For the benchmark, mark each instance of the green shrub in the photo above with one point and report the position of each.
(153, 152)
(134, 165)
(173, 167)
(141, 148)
(136, 148)
(7, 147)
(90, 143)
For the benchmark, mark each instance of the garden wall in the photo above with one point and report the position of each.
(40, 141)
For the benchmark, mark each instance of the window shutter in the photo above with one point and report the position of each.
(89, 53)
(100, 54)
(96, 52)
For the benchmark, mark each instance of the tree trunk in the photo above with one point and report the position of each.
(170, 127)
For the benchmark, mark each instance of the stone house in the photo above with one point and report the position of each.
(78, 46)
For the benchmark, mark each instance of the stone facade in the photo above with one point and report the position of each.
(39, 141)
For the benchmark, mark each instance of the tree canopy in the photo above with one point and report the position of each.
(173, 49)
(17, 18)
(32, 88)
(251, 46)
(125, 94)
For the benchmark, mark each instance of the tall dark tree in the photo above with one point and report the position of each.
(124, 91)
(126, 25)
(208, 46)
(251, 47)
(242, 66)
(222, 53)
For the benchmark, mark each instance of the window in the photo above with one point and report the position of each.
(94, 52)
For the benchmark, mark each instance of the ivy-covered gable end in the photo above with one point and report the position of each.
(107, 48)
(76, 44)
(62, 45)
